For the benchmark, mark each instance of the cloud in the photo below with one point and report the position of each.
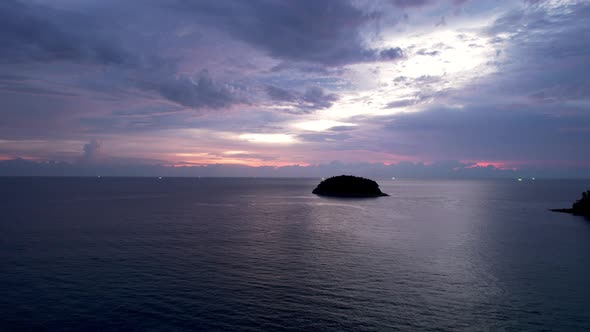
(342, 128)
(533, 107)
(309, 31)
(492, 132)
(314, 98)
(278, 94)
(246, 155)
(92, 151)
(401, 103)
(321, 137)
(405, 4)
(391, 53)
(199, 93)
(442, 22)
(131, 71)
(422, 3)
(34, 33)
(410, 3)
(546, 53)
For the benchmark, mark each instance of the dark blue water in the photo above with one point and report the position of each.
(265, 254)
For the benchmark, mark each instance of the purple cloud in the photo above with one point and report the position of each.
(322, 32)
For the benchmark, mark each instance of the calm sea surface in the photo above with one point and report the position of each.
(265, 254)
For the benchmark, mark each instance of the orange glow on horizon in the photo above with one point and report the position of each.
(502, 165)
(4, 157)
(236, 161)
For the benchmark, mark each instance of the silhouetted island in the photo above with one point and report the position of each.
(580, 208)
(348, 186)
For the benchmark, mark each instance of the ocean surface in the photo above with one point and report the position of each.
(184, 254)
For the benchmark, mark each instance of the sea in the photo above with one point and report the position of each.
(265, 254)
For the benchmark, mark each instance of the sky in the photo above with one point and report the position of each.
(417, 88)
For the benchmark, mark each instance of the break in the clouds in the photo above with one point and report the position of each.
(500, 87)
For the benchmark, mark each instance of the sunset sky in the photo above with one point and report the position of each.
(495, 86)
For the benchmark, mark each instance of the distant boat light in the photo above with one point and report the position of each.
(159, 178)
(519, 180)
(532, 178)
(393, 178)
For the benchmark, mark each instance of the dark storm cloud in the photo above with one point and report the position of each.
(34, 33)
(391, 53)
(410, 3)
(314, 98)
(422, 3)
(324, 32)
(278, 94)
(306, 35)
(307, 68)
(199, 93)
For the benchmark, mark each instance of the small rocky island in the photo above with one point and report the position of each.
(348, 186)
(580, 208)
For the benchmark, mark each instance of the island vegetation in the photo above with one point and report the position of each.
(348, 186)
(580, 208)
